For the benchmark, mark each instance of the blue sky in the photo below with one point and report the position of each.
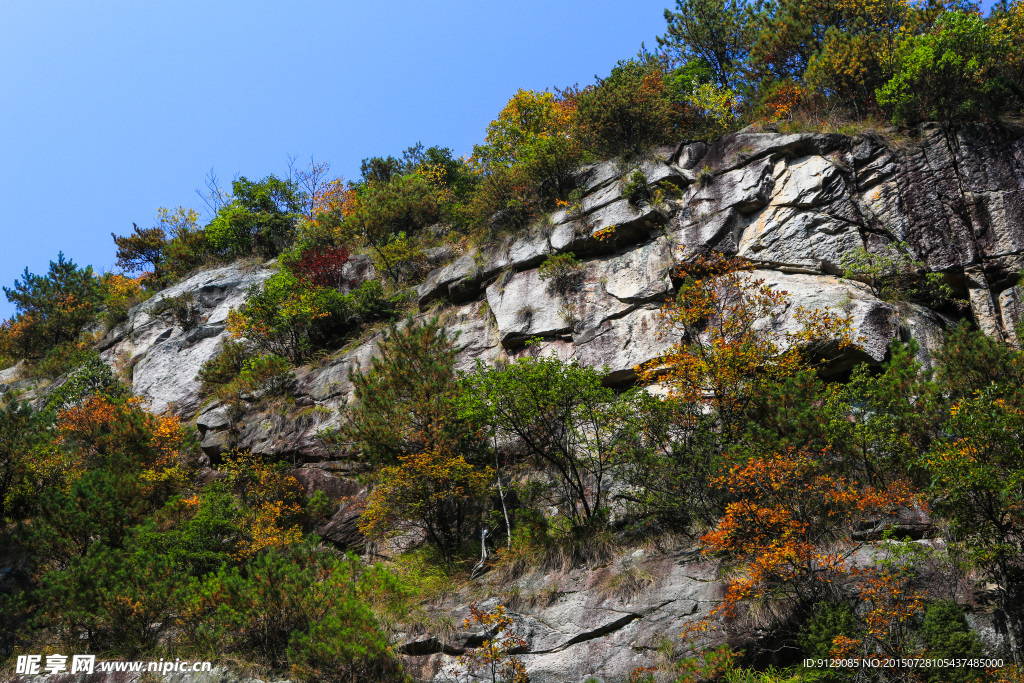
(111, 109)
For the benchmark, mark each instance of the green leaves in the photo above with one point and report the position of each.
(404, 402)
(52, 309)
(629, 111)
(261, 218)
(718, 34)
(560, 414)
(946, 75)
(291, 318)
(110, 599)
(302, 608)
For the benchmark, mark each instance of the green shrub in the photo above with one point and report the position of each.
(370, 301)
(947, 636)
(262, 376)
(404, 402)
(230, 231)
(110, 600)
(50, 309)
(506, 200)
(563, 273)
(261, 219)
(302, 609)
(99, 508)
(562, 415)
(90, 376)
(894, 275)
(223, 367)
(635, 189)
(549, 165)
(949, 75)
(400, 260)
(629, 111)
(827, 622)
(290, 318)
(182, 308)
(384, 210)
(19, 430)
(190, 248)
(320, 507)
(60, 359)
(201, 542)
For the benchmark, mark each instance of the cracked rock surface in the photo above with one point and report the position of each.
(582, 623)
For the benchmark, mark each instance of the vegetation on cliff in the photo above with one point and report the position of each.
(132, 546)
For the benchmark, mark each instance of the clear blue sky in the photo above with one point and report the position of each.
(111, 109)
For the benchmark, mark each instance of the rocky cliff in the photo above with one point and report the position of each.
(795, 205)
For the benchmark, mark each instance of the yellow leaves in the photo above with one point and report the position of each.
(168, 436)
(725, 349)
(273, 497)
(528, 116)
(259, 481)
(264, 529)
(120, 290)
(715, 104)
(236, 324)
(421, 489)
(177, 221)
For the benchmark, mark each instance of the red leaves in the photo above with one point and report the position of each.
(322, 266)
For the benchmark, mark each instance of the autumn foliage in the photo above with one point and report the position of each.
(493, 660)
(323, 267)
(793, 529)
(433, 491)
(724, 354)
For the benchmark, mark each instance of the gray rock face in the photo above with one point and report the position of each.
(603, 622)
(163, 357)
(12, 374)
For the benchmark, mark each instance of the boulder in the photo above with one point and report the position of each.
(524, 306)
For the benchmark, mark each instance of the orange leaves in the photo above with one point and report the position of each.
(782, 102)
(792, 529)
(96, 413)
(891, 603)
(101, 427)
(844, 647)
(492, 660)
(725, 349)
(334, 197)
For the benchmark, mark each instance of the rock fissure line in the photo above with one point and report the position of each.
(599, 632)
